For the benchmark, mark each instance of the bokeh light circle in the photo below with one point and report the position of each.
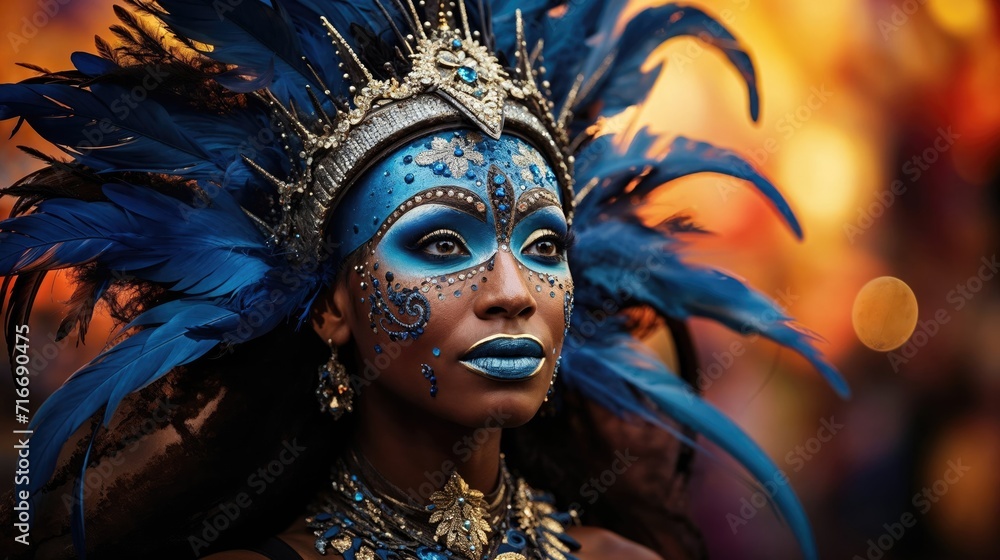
(884, 314)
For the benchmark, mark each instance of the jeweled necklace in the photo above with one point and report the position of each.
(366, 517)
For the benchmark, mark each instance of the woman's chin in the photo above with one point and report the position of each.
(506, 406)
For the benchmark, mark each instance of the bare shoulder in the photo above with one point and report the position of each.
(299, 539)
(601, 544)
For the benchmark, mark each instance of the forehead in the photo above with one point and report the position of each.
(460, 158)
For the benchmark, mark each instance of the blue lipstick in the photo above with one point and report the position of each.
(505, 357)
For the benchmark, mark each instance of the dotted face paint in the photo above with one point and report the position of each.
(449, 205)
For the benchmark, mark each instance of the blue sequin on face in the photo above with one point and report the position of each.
(436, 351)
(464, 159)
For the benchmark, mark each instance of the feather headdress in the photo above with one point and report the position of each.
(208, 151)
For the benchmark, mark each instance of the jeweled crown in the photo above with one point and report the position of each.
(453, 81)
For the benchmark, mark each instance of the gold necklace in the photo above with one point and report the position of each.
(366, 516)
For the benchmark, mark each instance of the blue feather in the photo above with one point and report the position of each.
(614, 171)
(251, 35)
(606, 262)
(619, 372)
(102, 132)
(624, 85)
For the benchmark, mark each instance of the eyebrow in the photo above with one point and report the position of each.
(535, 199)
(459, 198)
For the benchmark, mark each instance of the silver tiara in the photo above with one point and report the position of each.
(453, 81)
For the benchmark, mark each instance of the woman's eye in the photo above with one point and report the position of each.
(442, 243)
(545, 248)
(546, 244)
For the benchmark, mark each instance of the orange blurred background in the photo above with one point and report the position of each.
(881, 124)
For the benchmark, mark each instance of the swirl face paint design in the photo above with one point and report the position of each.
(451, 205)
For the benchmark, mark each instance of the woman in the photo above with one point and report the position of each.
(405, 179)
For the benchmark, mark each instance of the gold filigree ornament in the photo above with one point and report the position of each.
(454, 81)
(459, 513)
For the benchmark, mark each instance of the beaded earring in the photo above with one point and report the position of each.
(335, 393)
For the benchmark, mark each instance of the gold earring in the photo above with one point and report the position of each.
(335, 393)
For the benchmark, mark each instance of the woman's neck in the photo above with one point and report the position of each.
(417, 452)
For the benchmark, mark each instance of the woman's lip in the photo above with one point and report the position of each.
(505, 357)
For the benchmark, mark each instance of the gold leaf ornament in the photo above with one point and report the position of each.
(459, 513)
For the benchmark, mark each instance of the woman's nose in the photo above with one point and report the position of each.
(506, 294)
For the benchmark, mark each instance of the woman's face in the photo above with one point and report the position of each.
(461, 298)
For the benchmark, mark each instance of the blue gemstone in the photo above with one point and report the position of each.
(436, 352)
(324, 516)
(457, 43)
(378, 349)
(407, 159)
(424, 553)
(467, 524)
(408, 178)
(499, 179)
(358, 496)
(468, 74)
(501, 192)
(470, 174)
(331, 532)
(438, 168)
(459, 152)
(478, 93)
(502, 207)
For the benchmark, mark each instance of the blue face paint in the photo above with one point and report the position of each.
(442, 208)
(462, 160)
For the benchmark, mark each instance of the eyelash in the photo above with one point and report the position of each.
(563, 242)
(439, 235)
